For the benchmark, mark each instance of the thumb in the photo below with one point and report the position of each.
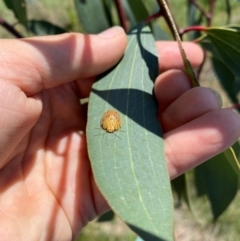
(40, 63)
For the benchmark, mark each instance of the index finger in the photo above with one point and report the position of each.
(170, 56)
(37, 63)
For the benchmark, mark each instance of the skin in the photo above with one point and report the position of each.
(47, 190)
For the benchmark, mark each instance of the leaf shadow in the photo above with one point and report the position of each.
(135, 104)
(139, 105)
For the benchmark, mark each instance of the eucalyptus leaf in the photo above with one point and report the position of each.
(179, 187)
(129, 165)
(226, 41)
(159, 33)
(19, 9)
(220, 182)
(41, 27)
(106, 217)
(226, 78)
(92, 15)
(129, 13)
(139, 10)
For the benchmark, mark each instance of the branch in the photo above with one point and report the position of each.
(201, 9)
(10, 29)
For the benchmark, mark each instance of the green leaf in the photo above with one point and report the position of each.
(139, 10)
(159, 33)
(129, 13)
(40, 27)
(194, 17)
(226, 78)
(111, 11)
(129, 166)
(19, 9)
(191, 14)
(92, 15)
(220, 182)
(179, 187)
(106, 217)
(226, 42)
(236, 149)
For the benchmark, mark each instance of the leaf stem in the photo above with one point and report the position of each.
(10, 29)
(162, 13)
(201, 9)
(192, 28)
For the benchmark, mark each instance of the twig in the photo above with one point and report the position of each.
(10, 29)
(212, 4)
(166, 17)
(192, 28)
(201, 9)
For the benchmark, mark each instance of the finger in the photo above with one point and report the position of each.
(170, 57)
(200, 139)
(49, 61)
(18, 115)
(169, 86)
(190, 105)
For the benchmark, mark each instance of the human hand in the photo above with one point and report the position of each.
(46, 184)
(194, 125)
(47, 191)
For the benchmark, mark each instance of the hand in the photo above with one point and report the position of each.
(195, 127)
(46, 184)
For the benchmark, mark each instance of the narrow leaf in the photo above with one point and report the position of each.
(226, 78)
(92, 15)
(158, 32)
(106, 217)
(191, 14)
(179, 187)
(19, 9)
(40, 27)
(129, 13)
(226, 42)
(129, 166)
(220, 182)
(139, 9)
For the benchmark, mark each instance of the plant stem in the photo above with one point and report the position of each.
(201, 9)
(165, 16)
(10, 29)
(212, 4)
(121, 14)
(192, 28)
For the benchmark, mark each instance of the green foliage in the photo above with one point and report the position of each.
(41, 27)
(134, 181)
(92, 16)
(129, 165)
(19, 9)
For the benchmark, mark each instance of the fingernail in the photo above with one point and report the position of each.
(111, 32)
(218, 97)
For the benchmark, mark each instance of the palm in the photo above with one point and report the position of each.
(49, 173)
